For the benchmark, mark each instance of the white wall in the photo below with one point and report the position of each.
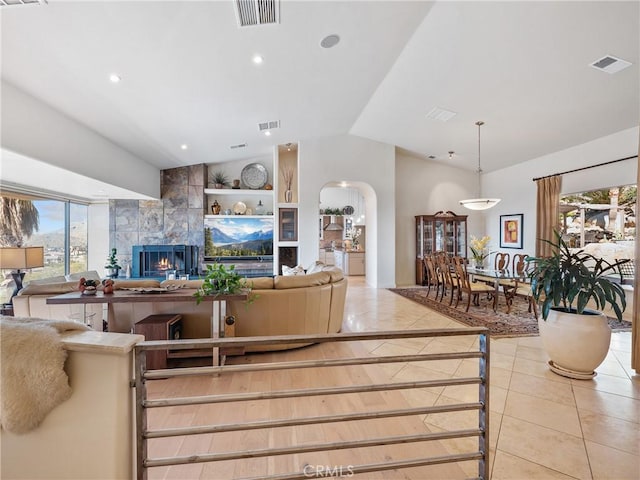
(424, 187)
(36, 130)
(98, 236)
(518, 191)
(352, 159)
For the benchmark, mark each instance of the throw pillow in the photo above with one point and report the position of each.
(290, 271)
(316, 267)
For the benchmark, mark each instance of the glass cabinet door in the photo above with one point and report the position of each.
(461, 238)
(428, 237)
(419, 236)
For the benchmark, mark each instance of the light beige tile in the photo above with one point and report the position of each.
(533, 341)
(546, 413)
(550, 448)
(504, 346)
(609, 404)
(500, 360)
(510, 467)
(532, 353)
(610, 431)
(542, 388)
(537, 369)
(611, 464)
(612, 384)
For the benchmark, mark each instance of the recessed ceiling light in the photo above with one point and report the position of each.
(267, 133)
(184, 146)
(451, 152)
(258, 59)
(115, 78)
(330, 41)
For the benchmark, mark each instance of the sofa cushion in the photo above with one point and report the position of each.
(49, 288)
(118, 284)
(335, 273)
(259, 283)
(45, 281)
(195, 283)
(301, 281)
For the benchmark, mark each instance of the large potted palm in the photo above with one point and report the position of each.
(575, 337)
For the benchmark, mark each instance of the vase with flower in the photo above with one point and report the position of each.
(479, 250)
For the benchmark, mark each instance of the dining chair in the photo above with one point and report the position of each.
(501, 261)
(447, 276)
(433, 278)
(472, 289)
(519, 287)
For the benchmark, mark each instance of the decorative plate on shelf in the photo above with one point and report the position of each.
(254, 176)
(239, 208)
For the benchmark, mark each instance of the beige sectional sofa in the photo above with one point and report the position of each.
(282, 305)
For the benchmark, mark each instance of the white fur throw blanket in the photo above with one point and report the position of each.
(33, 380)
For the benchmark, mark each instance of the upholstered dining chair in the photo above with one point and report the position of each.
(519, 287)
(472, 289)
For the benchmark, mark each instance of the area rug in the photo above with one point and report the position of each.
(500, 324)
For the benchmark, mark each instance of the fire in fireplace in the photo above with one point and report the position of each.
(154, 260)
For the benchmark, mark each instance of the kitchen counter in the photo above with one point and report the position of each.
(352, 262)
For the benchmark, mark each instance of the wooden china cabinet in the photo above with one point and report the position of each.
(440, 232)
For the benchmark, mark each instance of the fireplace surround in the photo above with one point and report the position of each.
(153, 261)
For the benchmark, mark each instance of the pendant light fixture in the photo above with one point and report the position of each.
(479, 203)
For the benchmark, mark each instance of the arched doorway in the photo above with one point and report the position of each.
(347, 228)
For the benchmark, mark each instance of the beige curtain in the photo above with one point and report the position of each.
(547, 212)
(635, 332)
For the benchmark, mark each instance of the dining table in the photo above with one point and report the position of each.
(505, 277)
(141, 295)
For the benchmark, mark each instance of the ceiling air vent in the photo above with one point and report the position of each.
(12, 3)
(240, 145)
(610, 64)
(440, 114)
(270, 125)
(257, 12)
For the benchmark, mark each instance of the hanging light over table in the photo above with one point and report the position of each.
(479, 203)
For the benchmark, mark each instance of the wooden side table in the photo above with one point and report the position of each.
(159, 327)
(6, 309)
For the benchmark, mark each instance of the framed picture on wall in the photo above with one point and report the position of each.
(511, 231)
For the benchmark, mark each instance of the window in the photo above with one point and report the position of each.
(60, 226)
(599, 216)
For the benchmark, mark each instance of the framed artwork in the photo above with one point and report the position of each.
(511, 231)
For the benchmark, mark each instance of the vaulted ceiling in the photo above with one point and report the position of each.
(187, 75)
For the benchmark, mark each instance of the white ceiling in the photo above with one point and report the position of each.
(188, 77)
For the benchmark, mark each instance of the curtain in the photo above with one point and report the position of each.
(635, 331)
(547, 213)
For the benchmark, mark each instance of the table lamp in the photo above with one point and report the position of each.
(20, 258)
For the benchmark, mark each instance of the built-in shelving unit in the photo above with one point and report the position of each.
(237, 191)
(238, 216)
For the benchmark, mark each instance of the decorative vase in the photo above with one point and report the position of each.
(478, 263)
(576, 343)
(236, 184)
(215, 208)
(288, 195)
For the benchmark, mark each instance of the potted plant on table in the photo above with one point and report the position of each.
(220, 280)
(112, 267)
(575, 337)
(479, 251)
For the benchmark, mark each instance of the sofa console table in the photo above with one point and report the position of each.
(219, 305)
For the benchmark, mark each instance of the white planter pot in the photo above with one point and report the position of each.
(576, 343)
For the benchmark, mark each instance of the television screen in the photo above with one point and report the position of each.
(238, 237)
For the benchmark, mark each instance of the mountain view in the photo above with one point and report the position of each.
(238, 237)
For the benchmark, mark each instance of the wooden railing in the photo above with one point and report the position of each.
(144, 434)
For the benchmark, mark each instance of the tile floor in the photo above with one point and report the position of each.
(541, 425)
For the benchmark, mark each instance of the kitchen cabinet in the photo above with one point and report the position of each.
(326, 256)
(440, 232)
(350, 262)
